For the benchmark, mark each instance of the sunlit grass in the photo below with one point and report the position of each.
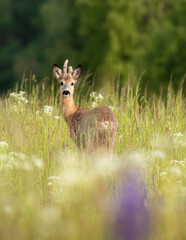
(50, 190)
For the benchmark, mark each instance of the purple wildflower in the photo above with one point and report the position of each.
(132, 217)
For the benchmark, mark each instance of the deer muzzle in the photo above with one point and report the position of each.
(66, 93)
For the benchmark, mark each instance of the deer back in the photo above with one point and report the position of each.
(93, 126)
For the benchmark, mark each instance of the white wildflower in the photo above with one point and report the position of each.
(26, 166)
(163, 174)
(56, 117)
(175, 170)
(48, 110)
(22, 93)
(111, 107)
(158, 154)
(174, 162)
(23, 99)
(19, 97)
(93, 94)
(182, 163)
(13, 95)
(100, 96)
(54, 178)
(8, 209)
(8, 166)
(49, 183)
(38, 162)
(94, 104)
(179, 134)
(12, 154)
(3, 144)
(37, 112)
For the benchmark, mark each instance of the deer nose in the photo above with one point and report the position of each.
(66, 93)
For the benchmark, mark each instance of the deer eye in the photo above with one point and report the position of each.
(72, 84)
(61, 83)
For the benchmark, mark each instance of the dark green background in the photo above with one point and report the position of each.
(116, 39)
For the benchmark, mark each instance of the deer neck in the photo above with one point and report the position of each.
(68, 108)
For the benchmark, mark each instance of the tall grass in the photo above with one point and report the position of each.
(49, 190)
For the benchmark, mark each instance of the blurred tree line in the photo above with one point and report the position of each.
(117, 39)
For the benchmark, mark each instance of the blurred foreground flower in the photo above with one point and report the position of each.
(175, 171)
(37, 162)
(49, 183)
(178, 134)
(132, 220)
(162, 174)
(8, 166)
(12, 154)
(8, 209)
(54, 179)
(158, 154)
(3, 145)
(182, 163)
(174, 162)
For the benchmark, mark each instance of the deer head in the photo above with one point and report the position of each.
(66, 79)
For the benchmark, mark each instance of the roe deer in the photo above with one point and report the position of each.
(90, 128)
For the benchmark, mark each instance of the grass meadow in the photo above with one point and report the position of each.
(50, 190)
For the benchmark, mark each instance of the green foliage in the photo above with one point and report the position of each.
(164, 43)
(59, 22)
(125, 38)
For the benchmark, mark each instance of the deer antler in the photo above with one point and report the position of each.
(65, 66)
(70, 69)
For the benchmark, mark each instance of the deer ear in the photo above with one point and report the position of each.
(77, 72)
(57, 72)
